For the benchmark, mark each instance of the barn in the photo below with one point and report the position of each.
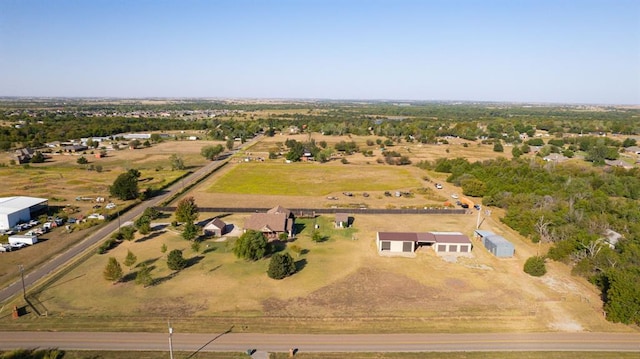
(451, 243)
(14, 210)
(497, 245)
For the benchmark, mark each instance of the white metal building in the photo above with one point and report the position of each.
(14, 210)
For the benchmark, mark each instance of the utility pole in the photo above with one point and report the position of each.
(170, 340)
(24, 291)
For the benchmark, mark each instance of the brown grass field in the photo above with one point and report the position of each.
(342, 285)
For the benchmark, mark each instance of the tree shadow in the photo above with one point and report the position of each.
(151, 235)
(304, 251)
(209, 342)
(209, 249)
(277, 246)
(299, 227)
(147, 262)
(193, 261)
(215, 268)
(160, 280)
(300, 264)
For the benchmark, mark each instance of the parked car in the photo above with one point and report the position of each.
(476, 206)
(438, 186)
(5, 248)
(454, 196)
(110, 205)
(17, 245)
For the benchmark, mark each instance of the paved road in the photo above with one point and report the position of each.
(325, 343)
(59, 261)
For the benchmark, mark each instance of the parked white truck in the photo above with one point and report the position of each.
(17, 238)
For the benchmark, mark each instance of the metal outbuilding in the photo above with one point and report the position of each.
(14, 210)
(497, 245)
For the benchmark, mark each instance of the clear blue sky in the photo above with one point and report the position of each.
(563, 51)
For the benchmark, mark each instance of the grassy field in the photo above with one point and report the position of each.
(342, 284)
(308, 179)
(424, 355)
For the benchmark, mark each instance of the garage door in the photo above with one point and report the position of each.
(442, 248)
(407, 246)
(386, 246)
(453, 248)
(464, 248)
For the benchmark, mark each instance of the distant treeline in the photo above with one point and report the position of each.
(419, 122)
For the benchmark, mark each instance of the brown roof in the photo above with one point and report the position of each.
(215, 223)
(429, 237)
(407, 236)
(342, 217)
(279, 209)
(269, 222)
(451, 238)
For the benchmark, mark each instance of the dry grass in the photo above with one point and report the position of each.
(343, 285)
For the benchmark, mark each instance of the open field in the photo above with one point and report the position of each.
(424, 355)
(342, 285)
(60, 179)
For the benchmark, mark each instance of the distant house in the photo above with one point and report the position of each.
(277, 220)
(342, 220)
(633, 149)
(612, 238)
(409, 242)
(216, 228)
(74, 148)
(24, 155)
(618, 163)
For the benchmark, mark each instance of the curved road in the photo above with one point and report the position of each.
(240, 342)
(58, 262)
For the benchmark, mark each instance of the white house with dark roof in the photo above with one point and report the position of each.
(216, 227)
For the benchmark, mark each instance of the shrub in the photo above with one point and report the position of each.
(281, 266)
(535, 266)
(175, 260)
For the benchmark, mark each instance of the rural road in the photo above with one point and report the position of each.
(240, 342)
(59, 261)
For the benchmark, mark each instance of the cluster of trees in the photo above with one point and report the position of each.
(571, 207)
(125, 186)
(253, 245)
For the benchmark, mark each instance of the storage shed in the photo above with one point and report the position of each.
(216, 228)
(497, 245)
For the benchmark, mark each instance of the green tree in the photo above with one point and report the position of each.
(151, 213)
(163, 248)
(127, 233)
(281, 266)
(230, 143)
(252, 245)
(125, 187)
(130, 259)
(195, 246)
(190, 231)
(143, 224)
(176, 162)
(211, 152)
(187, 210)
(175, 260)
(497, 146)
(317, 237)
(516, 152)
(473, 187)
(37, 157)
(82, 160)
(623, 296)
(535, 266)
(144, 275)
(113, 271)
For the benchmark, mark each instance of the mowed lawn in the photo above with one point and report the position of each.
(310, 179)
